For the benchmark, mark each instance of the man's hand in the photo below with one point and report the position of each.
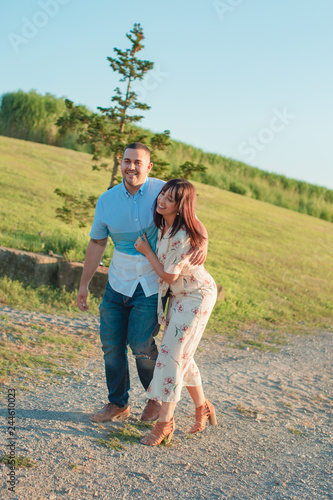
(142, 245)
(92, 259)
(81, 298)
(199, 255)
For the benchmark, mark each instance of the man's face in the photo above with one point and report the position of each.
(135, 166)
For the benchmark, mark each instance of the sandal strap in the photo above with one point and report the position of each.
(202, 414)
(160, 431)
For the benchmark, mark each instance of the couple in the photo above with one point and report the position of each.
(154, 230)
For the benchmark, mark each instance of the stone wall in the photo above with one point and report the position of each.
(40, 269)
(30, 268)
(70, 274)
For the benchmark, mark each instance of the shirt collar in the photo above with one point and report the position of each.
(140, 191)
(143, 187)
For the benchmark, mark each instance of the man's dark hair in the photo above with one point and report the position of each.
(138, 145)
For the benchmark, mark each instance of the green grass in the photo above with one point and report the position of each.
(128, 434)
(249, 412)
(276, 265)
(19, 462)
(295, 432)
(43, 298)
(30, 172)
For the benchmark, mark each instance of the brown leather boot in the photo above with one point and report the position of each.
(162, 431)
(152, 411)
(111, 412)
(202, 414)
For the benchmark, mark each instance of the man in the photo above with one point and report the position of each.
(128, 312)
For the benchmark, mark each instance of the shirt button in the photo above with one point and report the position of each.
(140, 275)
(135, 202)
(136, 219)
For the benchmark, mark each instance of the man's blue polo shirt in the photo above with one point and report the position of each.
(124, 217)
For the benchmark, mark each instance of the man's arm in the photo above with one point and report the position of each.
(92, 260)
(199, 255)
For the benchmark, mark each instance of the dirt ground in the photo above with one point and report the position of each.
(273, 439)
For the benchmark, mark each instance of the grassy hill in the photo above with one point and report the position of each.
(276, 264)
(32, 116)
(238, 177)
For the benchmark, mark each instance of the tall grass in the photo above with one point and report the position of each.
(32, 117)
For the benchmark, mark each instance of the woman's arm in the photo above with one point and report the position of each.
(142, 246)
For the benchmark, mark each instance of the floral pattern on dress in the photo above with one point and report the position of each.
(164, 350)
(191, 299)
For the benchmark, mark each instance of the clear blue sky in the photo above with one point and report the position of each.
(249, 79)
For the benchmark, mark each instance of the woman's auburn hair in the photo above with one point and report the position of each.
(185, 197)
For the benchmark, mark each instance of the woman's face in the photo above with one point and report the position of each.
(166, 204)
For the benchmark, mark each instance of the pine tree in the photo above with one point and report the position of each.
(113, 128)
(188, 169)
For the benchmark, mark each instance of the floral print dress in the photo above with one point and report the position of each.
(191, 300)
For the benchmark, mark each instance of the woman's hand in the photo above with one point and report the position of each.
(142, 245)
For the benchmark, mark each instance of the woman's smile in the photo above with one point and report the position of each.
(166, 203)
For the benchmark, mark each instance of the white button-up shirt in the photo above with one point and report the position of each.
(124, 217)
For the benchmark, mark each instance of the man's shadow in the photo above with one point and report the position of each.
(27, 420)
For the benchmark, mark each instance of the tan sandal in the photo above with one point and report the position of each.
(202, 414)
(162, 431)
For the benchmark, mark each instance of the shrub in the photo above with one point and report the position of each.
(237, 187)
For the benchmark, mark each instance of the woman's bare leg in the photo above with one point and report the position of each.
(168, 409)
(204, 410)
(197, 394)
(167, 412)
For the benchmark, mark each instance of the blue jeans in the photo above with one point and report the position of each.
(127, 321)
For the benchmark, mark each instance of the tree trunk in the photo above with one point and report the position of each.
(117, 159)
(116, 164)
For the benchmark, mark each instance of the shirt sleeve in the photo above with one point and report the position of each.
(99, 229)
(176, 258)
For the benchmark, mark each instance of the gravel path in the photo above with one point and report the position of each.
(273, 439)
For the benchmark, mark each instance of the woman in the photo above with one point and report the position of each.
(192, 295)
